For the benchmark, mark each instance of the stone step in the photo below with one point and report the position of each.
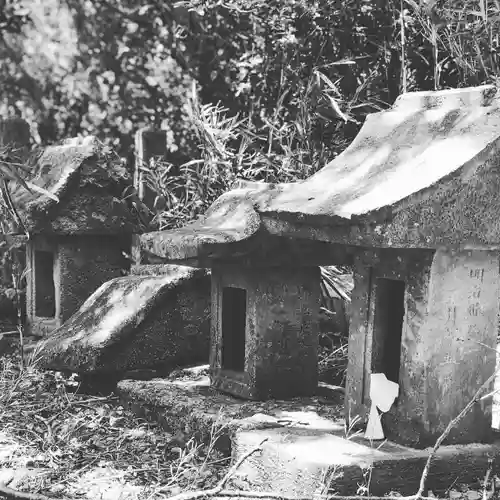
(302, 462)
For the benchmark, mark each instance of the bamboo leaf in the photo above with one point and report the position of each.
(41, 190)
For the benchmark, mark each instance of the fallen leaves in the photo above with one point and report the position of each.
(89, 447)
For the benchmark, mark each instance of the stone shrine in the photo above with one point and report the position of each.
(412, 205)
(264, 331)
(79, 242)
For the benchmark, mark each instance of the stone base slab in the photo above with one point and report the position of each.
(303, 462)
(306, 447)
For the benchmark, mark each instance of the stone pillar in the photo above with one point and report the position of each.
(454, 355)
(148, 144)
(264, 340)
(448, 341)
(14, 132)
(355, 408)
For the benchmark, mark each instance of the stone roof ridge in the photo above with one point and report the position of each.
(422, 156)
(470, 97)
(82, 148)
(74, 171)
(55, 168)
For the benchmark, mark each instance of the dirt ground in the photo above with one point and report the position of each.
(63, 444)
(60, 442)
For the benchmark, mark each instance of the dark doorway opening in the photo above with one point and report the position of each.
(388, 327)
(234, 312)
(45, 293)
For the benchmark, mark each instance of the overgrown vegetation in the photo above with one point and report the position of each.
(279, 88)
(75, 444)
(260, 90)
(313, 68)
(57, 442)
(227, 153)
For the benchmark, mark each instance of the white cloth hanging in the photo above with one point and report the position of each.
(374, 429)
(383, 392)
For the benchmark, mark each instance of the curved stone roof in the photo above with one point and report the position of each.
(421, 174)
(87, 183)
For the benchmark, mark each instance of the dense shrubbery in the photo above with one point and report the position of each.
(301, 75)
(278, 88)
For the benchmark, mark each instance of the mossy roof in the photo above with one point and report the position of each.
(88, 179)
(112, 318)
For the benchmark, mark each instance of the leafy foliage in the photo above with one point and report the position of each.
(283, 86)
(310, 70)
(13, 15)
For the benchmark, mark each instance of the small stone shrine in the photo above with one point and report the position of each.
(79, 242)
(412, 205)
(264, 331)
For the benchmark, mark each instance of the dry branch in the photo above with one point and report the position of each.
(11, 494)
(193, 495)
(220, 492)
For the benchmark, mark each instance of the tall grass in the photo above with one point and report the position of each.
(231, 148)
(464, 32)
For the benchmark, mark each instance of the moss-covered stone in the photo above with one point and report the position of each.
(135, 322)
(89, 182)
(188, 404)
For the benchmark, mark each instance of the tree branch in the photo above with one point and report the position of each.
(193, 495)
(10, 494)
(448, 429)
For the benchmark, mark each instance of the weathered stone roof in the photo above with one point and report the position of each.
(423, 173)
(116, 328)
(87, 180)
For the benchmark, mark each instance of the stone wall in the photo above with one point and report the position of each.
(457, 352)
(281, 331)
(84, 264)
(447, 346)
(411, 266)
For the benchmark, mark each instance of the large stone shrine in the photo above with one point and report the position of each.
(412, 205)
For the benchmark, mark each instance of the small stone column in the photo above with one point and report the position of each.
(264, 335)
(14, 131)
(148, 144)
